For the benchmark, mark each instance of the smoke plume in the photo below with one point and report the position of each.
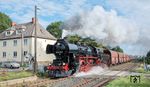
(106, 27)
(102, 25)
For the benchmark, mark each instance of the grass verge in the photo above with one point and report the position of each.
(125, 82)
(140, 69)
(14, 75)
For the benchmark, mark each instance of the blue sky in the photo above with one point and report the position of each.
(50, 10)
(134, 11)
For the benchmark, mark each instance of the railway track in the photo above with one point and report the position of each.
(123, 67)
(88, 81)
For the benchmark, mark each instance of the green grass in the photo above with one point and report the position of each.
(15, 75)
(140, 69)
(125, 82)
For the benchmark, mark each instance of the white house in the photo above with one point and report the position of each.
(19, 39)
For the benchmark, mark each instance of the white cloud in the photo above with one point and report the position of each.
(23, 10)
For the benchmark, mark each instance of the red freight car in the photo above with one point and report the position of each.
(114, 59)
(121, 56)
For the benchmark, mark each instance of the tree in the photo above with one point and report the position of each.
(118, 49)
(148, 54)
(88, 41)
(54, 29)
(148, 57)
(73, 39)
(5, 22)
(108, 47)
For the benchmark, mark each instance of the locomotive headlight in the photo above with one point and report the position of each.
(63, 63)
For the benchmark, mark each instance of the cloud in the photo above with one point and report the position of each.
(23, 10)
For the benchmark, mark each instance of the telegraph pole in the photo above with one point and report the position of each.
(22, 54)
(35, 42)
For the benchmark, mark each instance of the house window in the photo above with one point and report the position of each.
(8, 32)
(4, 43)
(25, 41)
(19, 31)
(15, 54)
(4, 54)
(15, 42)
(25, 52)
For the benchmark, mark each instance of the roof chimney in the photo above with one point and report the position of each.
(33, 20)
(13, 24)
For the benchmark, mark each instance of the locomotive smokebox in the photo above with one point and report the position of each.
(50, 49)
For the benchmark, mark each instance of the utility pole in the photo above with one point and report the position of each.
(35, 42)
(22, 54)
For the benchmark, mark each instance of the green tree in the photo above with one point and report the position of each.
(90, 41)
(5, 22)
(108, 47)
(54, 29)
(148, 54)
(148, 57)
(87, 41)
(118, 49)
(73, 38)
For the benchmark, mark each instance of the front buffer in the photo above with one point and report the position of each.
(58, 71)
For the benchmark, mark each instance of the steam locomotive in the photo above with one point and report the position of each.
(72, 58)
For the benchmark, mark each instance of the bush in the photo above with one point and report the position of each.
(25, 65)
(42, 74)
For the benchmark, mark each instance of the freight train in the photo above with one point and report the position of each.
(72, 58)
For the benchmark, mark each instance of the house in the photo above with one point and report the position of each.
(19, 40)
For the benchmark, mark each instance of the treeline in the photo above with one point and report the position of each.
(147, 58)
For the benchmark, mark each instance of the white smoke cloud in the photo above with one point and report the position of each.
(102, 25)
(96, 70)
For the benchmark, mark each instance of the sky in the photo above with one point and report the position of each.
(130, 15)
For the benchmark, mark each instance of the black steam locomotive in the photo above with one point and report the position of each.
(71, 58)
